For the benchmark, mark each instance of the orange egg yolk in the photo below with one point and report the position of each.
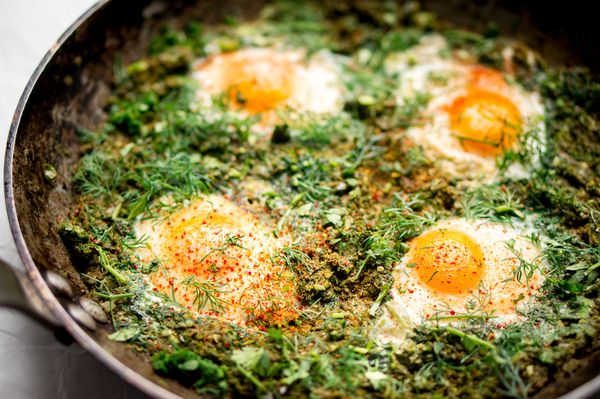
(447, 261)
(257, 83)
(486, 123)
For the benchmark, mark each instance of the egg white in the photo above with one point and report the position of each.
(196, 243)
(315, 79)
(413, 303)
(428, 69)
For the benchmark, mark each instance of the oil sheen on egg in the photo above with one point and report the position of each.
(267, 80)
(216, 259)
(463, 268)
(474, 113)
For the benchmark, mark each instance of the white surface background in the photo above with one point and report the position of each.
(33, 364)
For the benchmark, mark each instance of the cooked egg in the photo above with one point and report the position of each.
(474, 114)
(266, 80)
(463, 268)
(215, 258)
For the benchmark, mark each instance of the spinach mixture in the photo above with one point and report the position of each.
(349, 190)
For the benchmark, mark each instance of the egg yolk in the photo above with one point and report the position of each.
(486, 123)
(257, 83)
(447, 261)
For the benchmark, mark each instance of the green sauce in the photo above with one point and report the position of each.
(353, 194)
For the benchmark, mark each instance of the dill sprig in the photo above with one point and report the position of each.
(402, 221)
(292, 257)
(525, 270)
(109, 266)
(156, 159)
(205, 293)
(492, 201)
(506, 370)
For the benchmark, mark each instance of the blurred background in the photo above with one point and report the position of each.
(33, 364)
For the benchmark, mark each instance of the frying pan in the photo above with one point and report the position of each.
(68, 90)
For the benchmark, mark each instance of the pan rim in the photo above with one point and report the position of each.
(41, 289)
